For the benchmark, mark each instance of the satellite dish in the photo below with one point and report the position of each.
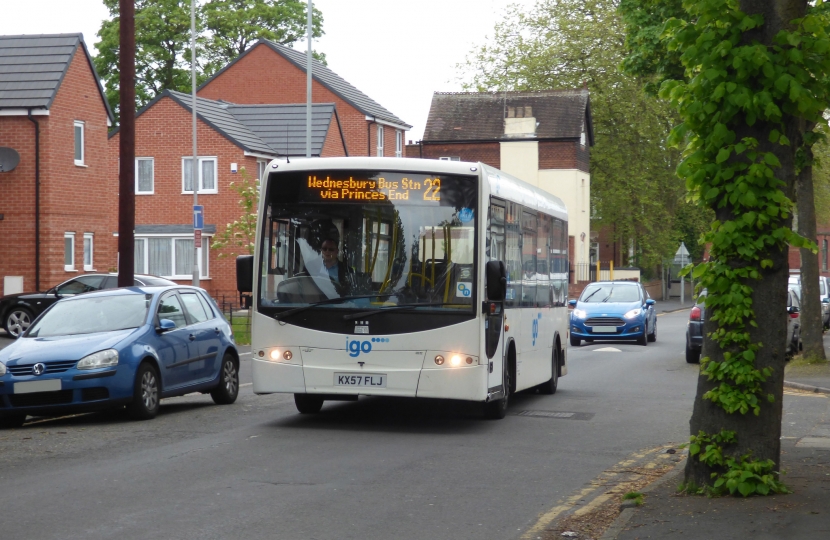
(9, 158)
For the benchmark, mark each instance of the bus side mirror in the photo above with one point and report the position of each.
(245, 273)
(496, 281)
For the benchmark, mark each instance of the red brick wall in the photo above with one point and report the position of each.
(262, 76)
(486, 152)
(163, 132)
(333, 145)
(79, 199)
(563, 155)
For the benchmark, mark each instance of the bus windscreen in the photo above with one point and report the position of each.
(371, 240)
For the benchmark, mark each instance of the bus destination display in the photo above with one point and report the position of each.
(426, 189)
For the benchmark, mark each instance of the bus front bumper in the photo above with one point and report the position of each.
(467, 383)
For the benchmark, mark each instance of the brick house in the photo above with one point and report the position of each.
(230, 137)
(58, 205)
(543, 138)
(270, 73)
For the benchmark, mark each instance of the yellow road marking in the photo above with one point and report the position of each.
(600, 482)
(804, 394)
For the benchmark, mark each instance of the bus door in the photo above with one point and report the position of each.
(494, 318)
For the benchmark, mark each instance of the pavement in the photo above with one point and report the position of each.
(805, 465)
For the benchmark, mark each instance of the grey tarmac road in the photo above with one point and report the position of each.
(373, 469)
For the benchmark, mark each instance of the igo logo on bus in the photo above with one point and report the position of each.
(464, 289)
(535, 329)
(356, 347)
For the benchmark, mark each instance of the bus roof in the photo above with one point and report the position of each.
(501, 184)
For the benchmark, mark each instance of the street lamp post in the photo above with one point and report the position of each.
(194, 170)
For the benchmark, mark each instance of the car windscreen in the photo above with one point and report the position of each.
(341, 240)
(94, 314)
(609, 292)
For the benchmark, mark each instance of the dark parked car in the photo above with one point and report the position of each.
(17, 311)
(130, 346)
(694, 330)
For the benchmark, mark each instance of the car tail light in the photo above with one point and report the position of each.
(793, 315)
(695, 314)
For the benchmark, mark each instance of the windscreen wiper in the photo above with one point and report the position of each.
(362, 314)
(288, 313)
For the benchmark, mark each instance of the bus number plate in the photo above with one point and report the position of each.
(367, 380)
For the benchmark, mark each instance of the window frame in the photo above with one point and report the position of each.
(78, 124)
(202, 159)
(824, 255)
(380, 140)
(91, 238)
(449, 158)
(398, 143)
(69, 267)
(204, 255)
(152, 177)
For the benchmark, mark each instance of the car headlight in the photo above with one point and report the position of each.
(579, 313)
(100, 359)
(2, 369)
(633, 313)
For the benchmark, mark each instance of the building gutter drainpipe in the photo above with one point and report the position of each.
(37, 199)
(369, 138)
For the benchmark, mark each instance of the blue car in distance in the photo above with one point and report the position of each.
(613, 310)
(130, 346)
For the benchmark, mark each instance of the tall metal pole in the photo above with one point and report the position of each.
(194, 172)
(308, 87)
(126, 175)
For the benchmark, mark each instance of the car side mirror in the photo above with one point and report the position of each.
(496, 280)
(165, 325)
(572, 303)
(650, 302)
(245, 273)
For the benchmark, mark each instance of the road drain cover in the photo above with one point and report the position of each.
(555, 414)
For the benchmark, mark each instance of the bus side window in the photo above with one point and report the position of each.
(529, 259)
(543, 296)
(513, 255)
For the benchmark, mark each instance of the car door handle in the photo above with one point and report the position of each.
(191, 337)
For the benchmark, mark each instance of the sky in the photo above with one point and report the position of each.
(398, 52)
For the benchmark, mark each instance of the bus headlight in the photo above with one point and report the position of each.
(455, 361)
(279, 355)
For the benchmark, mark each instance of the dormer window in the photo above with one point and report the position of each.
(583, 137)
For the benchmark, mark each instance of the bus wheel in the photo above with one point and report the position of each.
(549, 387)
(497, 409)
(307, 403)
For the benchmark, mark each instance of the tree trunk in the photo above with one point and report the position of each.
(811, 321)
(758, 435)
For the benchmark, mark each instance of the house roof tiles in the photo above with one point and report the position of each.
(32, 68)
(479, 116)
(328, 78)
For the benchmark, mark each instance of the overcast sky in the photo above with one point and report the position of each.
(396, 51)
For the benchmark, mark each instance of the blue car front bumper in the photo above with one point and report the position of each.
(77, 390)
(607, 328)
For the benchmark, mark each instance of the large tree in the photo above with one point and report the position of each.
(571, 43)
(233, 25)
(225, 29)
(753, 85)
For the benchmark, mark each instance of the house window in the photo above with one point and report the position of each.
(450, 158)
(207, 175)
(170, 257)
(824, 255)
(88, 250)
(69, 251)
(260, 169)
(144, 176)
(380, 141)
(79, 143)
(398, 144)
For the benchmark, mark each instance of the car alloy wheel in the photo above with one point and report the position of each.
(227, 390)
(149, 390)
(18, 321)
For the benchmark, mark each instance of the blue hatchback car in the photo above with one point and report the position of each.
(613, 310)
(130, 346)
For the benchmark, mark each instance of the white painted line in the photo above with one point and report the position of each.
(246, 384)
(608, 349)
(244, 353)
